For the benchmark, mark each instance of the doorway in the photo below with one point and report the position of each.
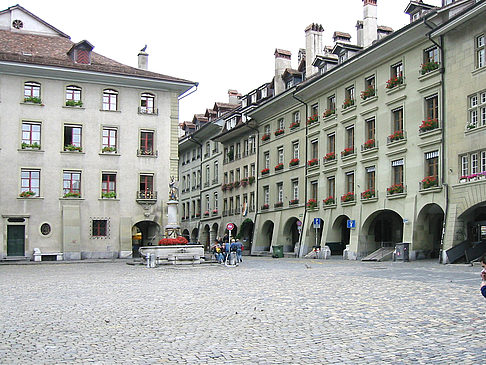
(15, 240)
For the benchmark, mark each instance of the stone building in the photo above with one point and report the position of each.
(87, 145)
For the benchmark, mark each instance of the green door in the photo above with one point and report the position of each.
(16, 240)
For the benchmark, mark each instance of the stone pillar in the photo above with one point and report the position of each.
(71, 232)
(172, 229)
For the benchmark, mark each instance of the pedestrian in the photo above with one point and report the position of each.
(483, 275)
(226, 250)
(239, 250)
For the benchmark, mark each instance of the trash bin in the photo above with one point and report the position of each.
(277, 252)
(401, 251)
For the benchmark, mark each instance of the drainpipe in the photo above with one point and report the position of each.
(443, 145)
(256, 180)
(191, 139)
(306, 167)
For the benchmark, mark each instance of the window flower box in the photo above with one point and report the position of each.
(278, 205)
(329, 200)
(394, 81)
(463, 179)
(313, 162)
(329, 112)
(109, 195)
(72, 194)
(470, 126)
(265, 206)
(331, 156)
(428, 66)
(78, 103)
(294, 125)
(72, 148)
(265, 171)
(229, 186)
(396, 136)
(368, 194)
(236, 184)
(294, 162)
(279, 167)
(30, 146)
(33, 100)
(265, 137)
(429, 182)
(251, 179)
(244, 182)
(311, 204)
(312, 119)
(27, 194)
(369, 144)
(395, 189)
(348, 103)
(215, 211)
(368, 93)
(294, 202)
(198, 215)
(428, 125)
(223, 187)
(347, 151)
(108, 149)
(279, 132)
(149, 152)
(348, 197)
(206, 213)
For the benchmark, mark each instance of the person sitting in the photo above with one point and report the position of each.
(483, 275)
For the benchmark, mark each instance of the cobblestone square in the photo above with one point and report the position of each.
(266, 311)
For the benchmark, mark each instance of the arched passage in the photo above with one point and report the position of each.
(383, 228)
(266, 236)
(194, 235)
(315, 236)
(475, 222)
(338, 236)
(428, 231)
(205, 236)
(246, 233)
(291, 235)
(185, 234)
(144, 233)
(214, 232)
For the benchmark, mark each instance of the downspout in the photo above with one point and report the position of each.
(191, 139)
(256, 180)
(306, 167)
(443, 145)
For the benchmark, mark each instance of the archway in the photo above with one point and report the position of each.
(234, 231)
(214, 232)
(185, 234)
(315, 235)
(246, 233)
(428, 231)
(194, 235)
(291, 235)
(205, 236)
(266, 236)
(144, 233)
(383, 228)
(338, 236)
(475, 223)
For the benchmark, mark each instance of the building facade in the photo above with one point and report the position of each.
(88, 145)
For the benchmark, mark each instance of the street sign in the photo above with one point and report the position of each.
(230, 226)
(351, 223)
(299, 223)
(317, 222)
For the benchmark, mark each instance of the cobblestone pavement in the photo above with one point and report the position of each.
(266, 311)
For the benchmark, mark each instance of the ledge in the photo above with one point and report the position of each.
(110, 111)
(369, 151)
(348, 164)
(29, 150)
(74, 152)
(111, 199)
(28, 103)
(369, 200)
(397, 143)
(370, 100)
(369, 111)
(429, 74)
(31, 198)
(475, 130)
(329, 206)
(348, 109)
(432, 132)
(396, 89)
(436, 189)
(397, 100)
(329, 118)
(396, 196)
(396, 152)
(73, 107)
(348, 204)
(330, 126)
(109, 154)
(428, 87)
(478, 71)
(71, 199)
(348, 119)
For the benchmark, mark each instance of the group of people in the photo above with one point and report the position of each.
(483, 275)
(223, 248)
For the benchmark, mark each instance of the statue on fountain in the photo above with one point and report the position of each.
(172, 189)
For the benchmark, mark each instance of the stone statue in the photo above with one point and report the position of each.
(172, 189)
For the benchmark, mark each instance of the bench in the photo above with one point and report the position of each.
(47, 256)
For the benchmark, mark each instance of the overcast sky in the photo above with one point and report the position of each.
(221, 44)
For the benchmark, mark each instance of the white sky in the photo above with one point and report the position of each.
(221, 44)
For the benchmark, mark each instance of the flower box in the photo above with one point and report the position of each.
(244, 181)
(312, 119)
(278, 132)
(71, 147)
(368, 194)
(206, 213)
(236, 184)
(265, 137)
(279, 167)
(294, 162)
(215, 211)
(198, 215)
(394, 81)
(329, 112)
(428, 125)
(108, 149)
(348, 197)
(428, 66)
(294, 202)
(348, 103)
(72, 194)
(109, 195)
(27, 194)
(396, 136)
(30, 146)
(368, 93)
(78, 103)
(251, 179)
(265, 171)
(429, 182)
(265, 206)
(32, 99)
(224, 187)
(294, 125)
(395, 189)
(278, 205)
(331, 156)
(369, 144)
(313, 162)
(311, 203)
(347, 151)
(229, 186)
(329, 200)
(173, 241)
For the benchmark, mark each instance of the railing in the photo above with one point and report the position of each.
(148, 152)
(145, 110)
(391, 139)
(146, 195)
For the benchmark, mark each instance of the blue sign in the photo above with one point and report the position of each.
(317, 222)
(351, 223)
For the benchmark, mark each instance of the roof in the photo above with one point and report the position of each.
(384, 28)
(53, 51)
(341, 35)
(291, 71)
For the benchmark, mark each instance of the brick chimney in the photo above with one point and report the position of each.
(370, 22)
(282, 62)
(233, 97)
(313, 47)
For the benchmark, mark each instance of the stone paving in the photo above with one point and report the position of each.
(266, 311)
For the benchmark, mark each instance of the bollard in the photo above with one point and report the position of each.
(152, 260)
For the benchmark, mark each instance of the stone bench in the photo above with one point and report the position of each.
(47, 256)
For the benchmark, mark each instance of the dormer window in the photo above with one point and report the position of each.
(342, 57)
(81, 52)
(244, 103)
(253, 98)
(264, 93)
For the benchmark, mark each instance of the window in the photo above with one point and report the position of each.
(483, 161)
(208, 175)
(315, 148)
(215, 172)
(480, 52)
(315, 109)
(30, 183)
(267, 129)
(147, 186)
(464, 165)
(215, 202)
(279, 192)
(370, 129)
(296, 117)
(110, 100)
(350, 182)
(431, 55)
(370, 82)
(264, 93)
(109, 139)
(208, 203)
(314, 188)
(474, 163)
(432, 107)
(397, 116)
(349, 94)
(99, 228)
(252, 201)
(397, 70)
(147, 103)
(295, 150)
(32, 92)
(208, 149)
(266, 160)
(237, 174)
(225, 178)
(397, 172)
(350, 137)
(71, 184)
(31, 135)
(252, 169)
(331, 103)
(253, 98)
(147, 143)
(280, 154)
(245, 171)
(252, 144)
(331, 142)
(295, 189)
(477, 110)
(370, 178)
(72, 138)
(281, 123)
(432, 164)
(73, 96)
(266, 195)
(331, 186)
(108, 185)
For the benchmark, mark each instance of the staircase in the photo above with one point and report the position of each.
(382, 254)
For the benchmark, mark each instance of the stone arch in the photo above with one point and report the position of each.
(185, 234)
(428, 232)
(213, 234)
(474, 222)
(290, 235)
(338, 235)
(246, 233)
(383, 228)
(194, 235)
(205, 236)
(145, 233)
(265, 236)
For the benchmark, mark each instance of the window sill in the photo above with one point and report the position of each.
(349, 109)
(153, 114)
(154, 155)
(429, 74)
(315, 209)
(110, 111)
(313, 124)
(429, 133)
(399, 142)
(348, 157)
(313, 167)
(396, 196)
(109, 154)
(478, 70)
(347, 204)
(369, 200)
(30, 150)
(30, 198)
(74, 152)
(330, 163)
(435, 189)
(395, 89)
(69, 198)
(329, 206)
(293, 166)
(73, 107)
(474, 130)
(111, 199)
(29, 103)
(369, 151)
(369, 100)
(329, 118)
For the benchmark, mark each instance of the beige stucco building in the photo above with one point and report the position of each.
(87, 145)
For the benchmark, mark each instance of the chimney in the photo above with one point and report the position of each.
(313, 47)
(282, 62)
(370, 23)
(233, 97)
(143, 59)
(359, 33)
(341, 37)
